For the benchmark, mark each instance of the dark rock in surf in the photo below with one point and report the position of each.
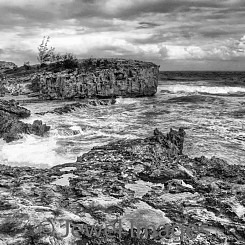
(11, 128)
(38, 128)
(14, 109)
(72, 107)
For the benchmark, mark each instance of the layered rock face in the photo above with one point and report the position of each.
(100, 78)
(139, 182)
(11, 128)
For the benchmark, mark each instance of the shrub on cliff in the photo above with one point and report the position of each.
(65, 61)
(45, 54)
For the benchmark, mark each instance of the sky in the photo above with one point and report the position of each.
(175, 34)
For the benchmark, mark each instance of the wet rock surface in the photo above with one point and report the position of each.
(145, 181)
(11, 128)
(12, 107)
(72, 107)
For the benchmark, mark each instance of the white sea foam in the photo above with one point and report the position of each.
(121, 100)
(75, 133)
(204, 89)
(33, 151)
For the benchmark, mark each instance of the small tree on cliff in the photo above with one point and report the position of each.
(45, 54)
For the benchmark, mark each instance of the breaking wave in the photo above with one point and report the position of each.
(204, 89)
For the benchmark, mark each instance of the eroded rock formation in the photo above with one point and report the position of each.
(86, 79)
(100, 78)
(146, 180)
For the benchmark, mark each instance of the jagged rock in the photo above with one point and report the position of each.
(174, 140)
(128, 179)
(10, 126)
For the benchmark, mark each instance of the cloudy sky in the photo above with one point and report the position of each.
(176, 34)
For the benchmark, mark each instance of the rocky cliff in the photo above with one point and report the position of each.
(99, 78)
(88, 78)
(140, 182)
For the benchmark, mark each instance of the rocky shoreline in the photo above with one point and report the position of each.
(131, 185)
(11, 126)
(148, 181)
(11, 113)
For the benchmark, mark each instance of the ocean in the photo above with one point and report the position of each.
(208, 105)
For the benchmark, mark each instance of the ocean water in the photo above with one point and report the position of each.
(209, 105)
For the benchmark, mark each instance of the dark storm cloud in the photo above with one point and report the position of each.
(131, 9)
(158, 30)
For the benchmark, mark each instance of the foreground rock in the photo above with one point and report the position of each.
(72, 107)
(136, 182)
(11, 128)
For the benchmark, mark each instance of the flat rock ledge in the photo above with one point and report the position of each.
(141, 182)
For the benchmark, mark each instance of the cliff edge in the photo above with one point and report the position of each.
(100, 78)
(87, 78)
